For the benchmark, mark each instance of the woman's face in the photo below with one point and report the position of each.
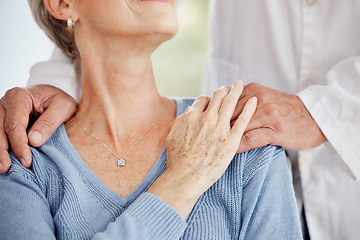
(129, 18)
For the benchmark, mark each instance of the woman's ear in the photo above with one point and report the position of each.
(61, 9)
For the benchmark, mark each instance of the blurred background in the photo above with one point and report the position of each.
(178, 64)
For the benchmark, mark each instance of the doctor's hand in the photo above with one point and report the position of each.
(54, 106)
(280, 119)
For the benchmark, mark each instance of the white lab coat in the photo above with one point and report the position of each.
(306, 47)
(310, 48)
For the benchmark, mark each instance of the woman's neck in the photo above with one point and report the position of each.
(119, 94)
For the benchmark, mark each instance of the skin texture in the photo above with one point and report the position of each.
(54, 106)
(280, 119)
(198, 156)
(119, 102)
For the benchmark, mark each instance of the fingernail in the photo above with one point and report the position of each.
(239, 82)
(254, 99)
(35, 137)
(22, 161)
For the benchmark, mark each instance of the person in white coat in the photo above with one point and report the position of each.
(305, 57)
(309, 49)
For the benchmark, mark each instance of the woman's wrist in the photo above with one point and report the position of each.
(181, 196)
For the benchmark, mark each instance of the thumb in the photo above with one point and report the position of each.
(57, 112)
(256, 138)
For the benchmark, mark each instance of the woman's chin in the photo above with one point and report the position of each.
(166, 31)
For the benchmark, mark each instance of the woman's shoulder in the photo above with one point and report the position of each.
(245, 166)
(257, 161)
(256, 158)
(252, 166)
(43, 163)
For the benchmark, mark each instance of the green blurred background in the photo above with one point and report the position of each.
(179, 64)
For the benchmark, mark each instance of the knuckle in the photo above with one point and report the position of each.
(14, 93)
(203, 98)
(10, 126)
(27, 106)
(272, 111)
(262, 96)
(17, 98)
(222, 134)
(246, 139)
(278, 127)
(11, 93)
(208, 119)
(221, 92)
(253, 85)
(191, 116)
(230, 99)
(47, 123)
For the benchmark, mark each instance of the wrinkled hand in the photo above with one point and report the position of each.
(54, 106)
(201, 145)
(280, 119)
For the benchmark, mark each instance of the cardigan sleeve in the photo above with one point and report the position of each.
(147, 218)
(26, 211)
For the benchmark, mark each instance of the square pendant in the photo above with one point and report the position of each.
(121, 162)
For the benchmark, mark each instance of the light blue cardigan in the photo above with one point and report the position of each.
(59, 197)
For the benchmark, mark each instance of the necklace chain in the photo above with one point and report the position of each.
(121, 160)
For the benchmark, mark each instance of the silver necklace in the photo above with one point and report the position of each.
(121, 160)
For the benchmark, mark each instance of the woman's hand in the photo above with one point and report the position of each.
(54, 106)
(200, 147)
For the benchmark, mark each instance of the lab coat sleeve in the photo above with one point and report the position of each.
(335, 107)
(58, 72)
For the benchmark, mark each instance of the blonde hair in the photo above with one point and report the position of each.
(57, 31)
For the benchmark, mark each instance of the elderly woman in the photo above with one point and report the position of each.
(106, 173)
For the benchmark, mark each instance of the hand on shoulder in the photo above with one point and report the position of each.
(52, 105)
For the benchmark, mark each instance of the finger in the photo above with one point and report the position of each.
(269, 116)
(230, 101)
(258, 120)
(19, 142)
(57, 112)
(17, 104)
(243, 120)
(200, 104)
(249, 91)
(216, 100)
(5, 161)
(255, 139)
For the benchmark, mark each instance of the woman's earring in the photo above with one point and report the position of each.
(70, 23)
